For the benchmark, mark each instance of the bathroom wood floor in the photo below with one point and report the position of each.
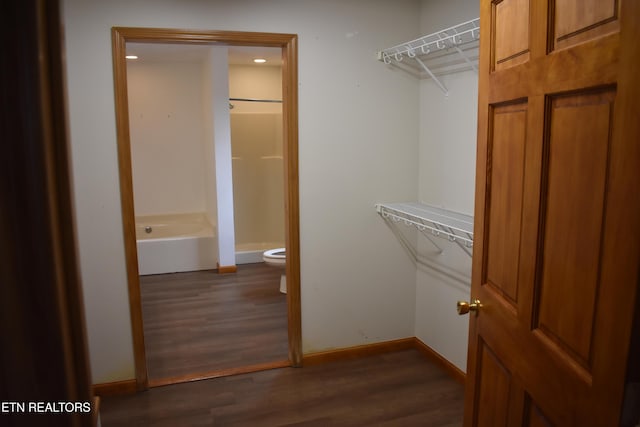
(200, 322)
(393, 389)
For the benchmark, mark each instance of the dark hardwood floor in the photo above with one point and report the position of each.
(393, 389)
(200, 322)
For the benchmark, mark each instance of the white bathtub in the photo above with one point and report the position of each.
(248, 253)
(173, 243)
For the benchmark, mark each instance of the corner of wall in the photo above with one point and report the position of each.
(447, 175)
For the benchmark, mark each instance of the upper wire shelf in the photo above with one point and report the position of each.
(450, 50)
(431, 221)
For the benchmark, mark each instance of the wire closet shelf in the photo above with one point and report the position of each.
(431, 221)
(446, 51)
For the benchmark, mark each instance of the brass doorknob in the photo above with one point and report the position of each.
(465, 307)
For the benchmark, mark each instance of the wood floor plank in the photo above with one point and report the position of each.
(202, 321)
(394, 389)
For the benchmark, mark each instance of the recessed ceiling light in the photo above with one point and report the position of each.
(131, 57)
(259, 60)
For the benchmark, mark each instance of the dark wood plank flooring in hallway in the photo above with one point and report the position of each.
(199, 322)
(393, 389)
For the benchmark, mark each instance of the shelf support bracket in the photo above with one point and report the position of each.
(452, 38)
(466, 59)
(456, 241)
(413, 253)
(431, 240)
(435, 79)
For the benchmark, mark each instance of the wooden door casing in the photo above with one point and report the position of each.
(556, 253)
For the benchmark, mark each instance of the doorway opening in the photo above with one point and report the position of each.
(288, 45)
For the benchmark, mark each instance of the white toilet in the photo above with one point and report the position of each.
(277, 257)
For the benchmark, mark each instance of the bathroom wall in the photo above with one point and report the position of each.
(174, 138)
(256, 140)
(210, 194)
(221, 129)
(166, 127)
(255, 81)
(358, 145)
(446, 175)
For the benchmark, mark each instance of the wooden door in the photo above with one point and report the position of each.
(557, 243)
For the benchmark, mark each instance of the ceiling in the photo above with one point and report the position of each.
(238, 55)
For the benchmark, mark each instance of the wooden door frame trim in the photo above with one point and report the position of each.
(289, 45)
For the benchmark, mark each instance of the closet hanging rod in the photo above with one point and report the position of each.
(255, 100)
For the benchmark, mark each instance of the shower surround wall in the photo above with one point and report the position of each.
(258, 180)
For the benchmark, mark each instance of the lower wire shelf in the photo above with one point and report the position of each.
(431, 221)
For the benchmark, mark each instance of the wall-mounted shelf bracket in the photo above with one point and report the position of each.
(435, 79)
(432, 53)
(430, 221)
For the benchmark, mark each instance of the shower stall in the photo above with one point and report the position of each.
(258, 178)
(258, 189)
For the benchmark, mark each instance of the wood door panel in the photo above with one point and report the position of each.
(533, 416)
(560, 71)
(511, 38)
(576, 165)
(506, 171)
(576, 21)
(542, 372)
(556, 262)
(493, 390)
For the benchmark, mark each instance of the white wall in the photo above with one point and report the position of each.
(446, 175)
(221, 125)
(210, 195)
(358, 145)
(166, 129)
